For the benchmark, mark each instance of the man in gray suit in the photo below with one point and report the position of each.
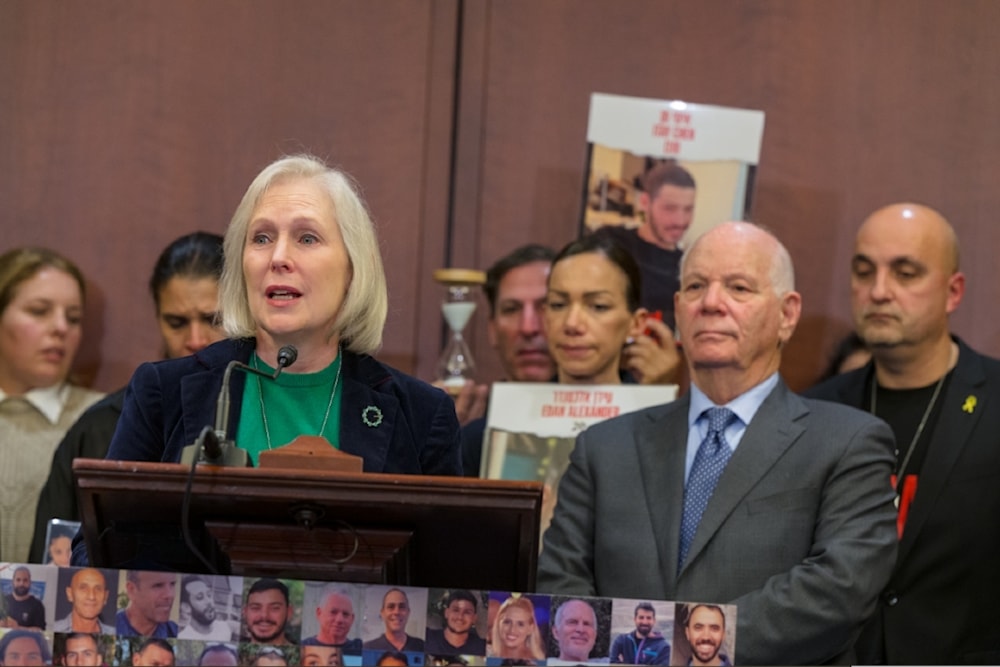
(799, 531)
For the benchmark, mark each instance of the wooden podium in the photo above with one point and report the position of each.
(312, 525)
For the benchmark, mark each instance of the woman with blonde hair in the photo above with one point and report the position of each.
(185, 290)
(41, 316)
(301, 270)
(515, 634)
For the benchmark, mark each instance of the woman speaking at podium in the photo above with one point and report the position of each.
(302, 268)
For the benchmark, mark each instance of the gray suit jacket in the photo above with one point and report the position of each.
(800, 532)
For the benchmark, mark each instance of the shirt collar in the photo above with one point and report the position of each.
(745, 405)
(50, 401)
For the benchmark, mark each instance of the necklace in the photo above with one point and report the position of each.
(333, 392)
(920, 426)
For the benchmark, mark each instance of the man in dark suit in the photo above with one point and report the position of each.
(938, 395)
(799, 530)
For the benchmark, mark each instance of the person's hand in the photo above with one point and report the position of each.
(470, 401)
(653, 359)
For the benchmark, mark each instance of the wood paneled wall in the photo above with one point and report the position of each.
(866, 103)
(126, 124)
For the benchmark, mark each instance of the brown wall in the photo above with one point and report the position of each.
(127, 124)
(866, 103)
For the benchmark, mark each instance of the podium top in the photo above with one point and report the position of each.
(492, 524)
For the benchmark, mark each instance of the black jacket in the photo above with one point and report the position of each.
(940, 606)
(168, 403)
(88, 438)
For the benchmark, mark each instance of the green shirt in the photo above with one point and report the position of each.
(295, 404)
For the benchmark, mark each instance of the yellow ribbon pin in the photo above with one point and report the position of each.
(970, 404)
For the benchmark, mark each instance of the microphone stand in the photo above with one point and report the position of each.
(213, 447)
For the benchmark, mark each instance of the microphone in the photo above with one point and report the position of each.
(286, 357)
(215, 442)
(213, 445)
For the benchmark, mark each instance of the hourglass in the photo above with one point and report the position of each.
(456, 365)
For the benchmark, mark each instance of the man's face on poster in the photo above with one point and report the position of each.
(460, 616)
(21, 582)
(669, 213)
(88, 593)
(82, 650)
(152, 594)
(199, 598)
(644, 622)
(335, 616)
(395, 611)
(266, 613)
(704, 631)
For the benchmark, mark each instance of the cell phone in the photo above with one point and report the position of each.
(656, 315)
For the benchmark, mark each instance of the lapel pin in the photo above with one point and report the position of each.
(371, 416)
(970, 404)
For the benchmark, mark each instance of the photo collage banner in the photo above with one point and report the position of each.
(95, 616)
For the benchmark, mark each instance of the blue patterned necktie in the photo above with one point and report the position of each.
(709, 462)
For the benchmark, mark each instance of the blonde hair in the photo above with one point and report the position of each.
(532, 649)
(20, 265)
(362, 316)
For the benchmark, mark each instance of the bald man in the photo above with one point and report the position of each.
(87, 593)
(739, 492)
(940, 398)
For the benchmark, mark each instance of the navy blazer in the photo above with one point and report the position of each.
(940, 606)
(168, 403)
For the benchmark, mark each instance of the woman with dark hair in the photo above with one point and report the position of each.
(41, 315)
(592, 310)
(185, 290)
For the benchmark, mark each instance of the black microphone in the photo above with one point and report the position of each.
(215, 441)
(214, 447)
(286, 357)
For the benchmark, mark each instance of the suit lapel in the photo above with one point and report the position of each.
(951, 435)
(200, 390)
(772, 431)
(368, 416)
(661, 443)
